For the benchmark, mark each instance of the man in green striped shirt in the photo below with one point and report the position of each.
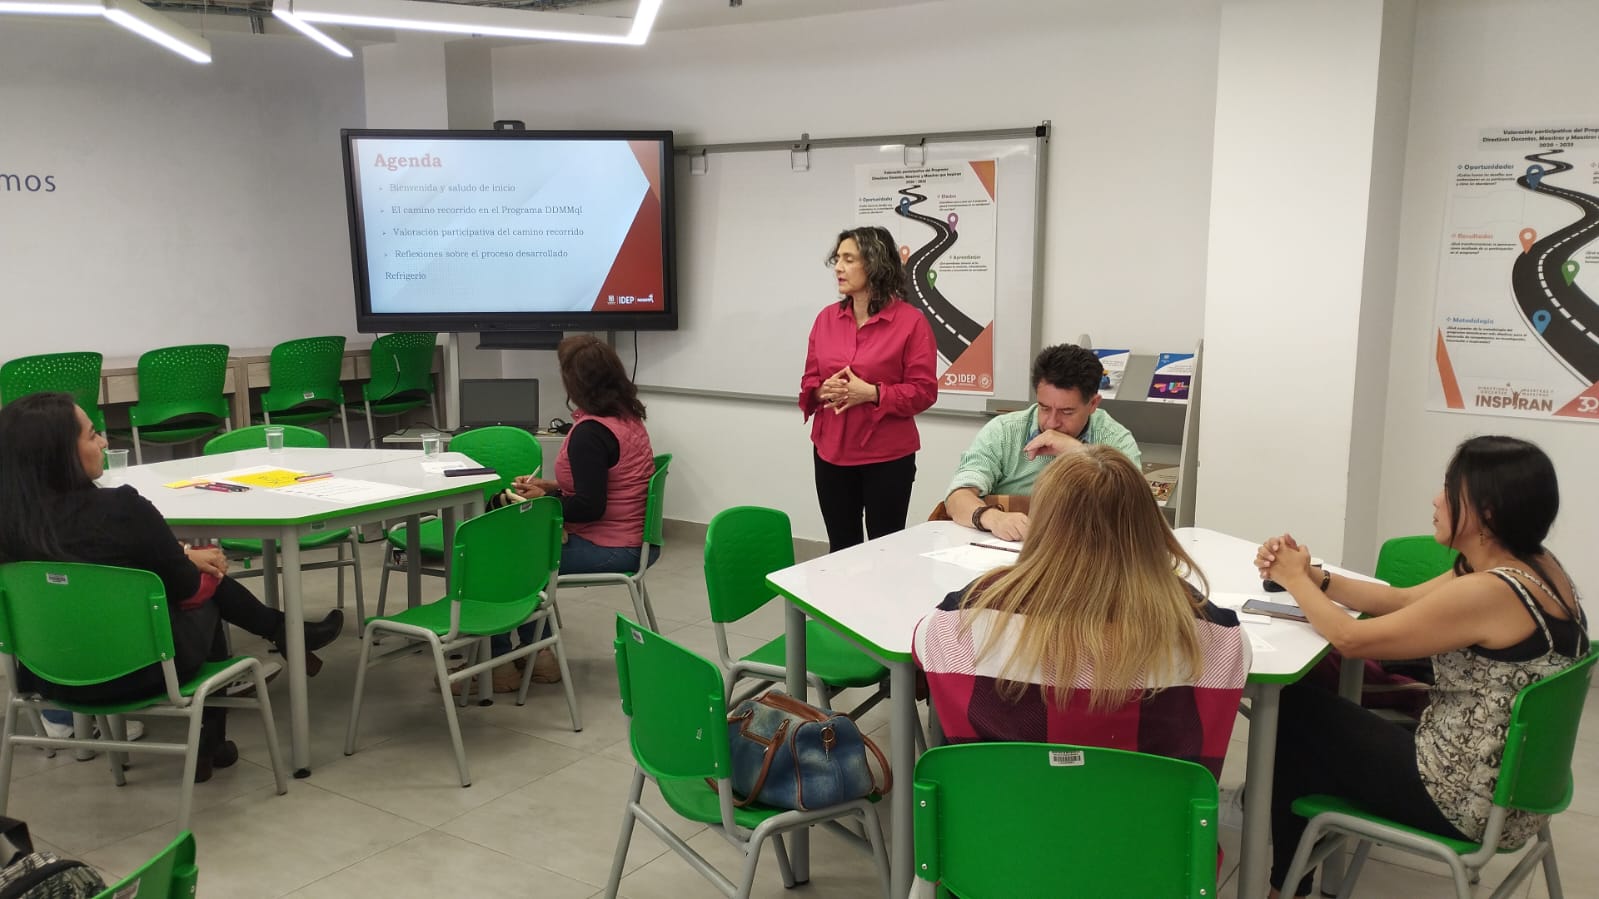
(1012, 450)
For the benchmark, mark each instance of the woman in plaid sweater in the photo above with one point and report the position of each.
(1099, 635)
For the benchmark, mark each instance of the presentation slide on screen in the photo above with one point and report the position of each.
(486, 226)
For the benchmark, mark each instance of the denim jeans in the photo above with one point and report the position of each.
(578, 556)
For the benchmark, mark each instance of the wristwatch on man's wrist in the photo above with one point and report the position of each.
(977, 517)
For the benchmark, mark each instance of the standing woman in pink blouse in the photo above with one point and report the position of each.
(869, 369)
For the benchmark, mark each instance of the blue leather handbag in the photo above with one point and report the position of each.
(791, 754)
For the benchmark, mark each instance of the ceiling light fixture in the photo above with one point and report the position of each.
(151, 25)
(287, 16)
(451, 18)
(52, 7)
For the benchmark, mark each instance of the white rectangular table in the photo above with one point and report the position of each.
(268, 515)
(874, 593)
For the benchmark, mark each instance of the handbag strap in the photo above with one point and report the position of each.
(786, 703)
(888, 773)
(778, 739)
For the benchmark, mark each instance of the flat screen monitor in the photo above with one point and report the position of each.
(500, 401)
(511, 231)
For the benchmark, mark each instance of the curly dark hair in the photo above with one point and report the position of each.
(1066, 366)
(886, 277)
(595, 380)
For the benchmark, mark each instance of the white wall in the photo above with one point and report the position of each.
(193, 203)
(1130, 87)
(1480, 63)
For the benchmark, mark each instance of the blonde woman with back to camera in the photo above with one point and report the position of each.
(1098, 635)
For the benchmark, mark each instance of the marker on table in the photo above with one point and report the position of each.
(1009, 549)
(219, 488)
(315, 477)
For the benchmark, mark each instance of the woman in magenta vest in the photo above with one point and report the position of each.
(602, 478)
(870, 368)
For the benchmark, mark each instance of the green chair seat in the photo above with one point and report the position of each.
(1311, 806)
(310, 541)
(185, 688)
(694, 799)
(477, 618)
(429, 536)
(838, 662)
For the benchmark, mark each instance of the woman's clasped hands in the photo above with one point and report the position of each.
(845, 390)
(1282, 558)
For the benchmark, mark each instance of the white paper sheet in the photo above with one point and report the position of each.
(975, 558)
(1257, 642)
(446, 465)
(347, 491)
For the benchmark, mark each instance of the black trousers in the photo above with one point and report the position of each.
(1327, 744)
(879, 491)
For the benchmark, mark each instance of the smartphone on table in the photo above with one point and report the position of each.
(1274, 609)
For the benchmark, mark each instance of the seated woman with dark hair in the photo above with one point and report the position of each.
(52, 511)
(1094, 637)
(1507, 615)
(602, 478)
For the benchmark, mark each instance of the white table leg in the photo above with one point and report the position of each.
(799, 842)
(902, 729)
(294, 654)
(1253, 852)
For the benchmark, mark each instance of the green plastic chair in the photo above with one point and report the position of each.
(76, 624)
(344, 541)
(505, 564)
(654, 513)
(170, 875)
(305, 383)
(180, 395)
(998, 820)
(74, 373)
(509, 451)
(1408, 561)
(743, 545)
(677, 728)
(1534, 776)
(402, 377)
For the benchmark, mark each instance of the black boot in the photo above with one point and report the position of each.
(317, 635)
(216, 750)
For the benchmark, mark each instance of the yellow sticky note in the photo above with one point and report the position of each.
(270, 479)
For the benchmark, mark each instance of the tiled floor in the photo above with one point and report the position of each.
(542, 813)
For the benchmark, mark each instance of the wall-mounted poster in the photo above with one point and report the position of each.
(943, 217)
(1516, 332)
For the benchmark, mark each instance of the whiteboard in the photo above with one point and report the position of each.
(753, 236)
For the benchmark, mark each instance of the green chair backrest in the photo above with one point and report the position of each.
(74, 373)
(73, 623)
(655, 503)
(1408, 561)
(170, 875)
(1035, 819)
(508, 555)
(1535, 772)
(743, 545)
(509, 451)
(305, 372)
(402, 366)
(181, 381)
(254, 437)
(677, 715)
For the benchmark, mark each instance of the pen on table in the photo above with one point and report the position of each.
(219, 488)
(315, 477)
(1009, 549)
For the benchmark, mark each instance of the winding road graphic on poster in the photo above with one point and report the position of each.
(942, 217)
(1517, 333)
